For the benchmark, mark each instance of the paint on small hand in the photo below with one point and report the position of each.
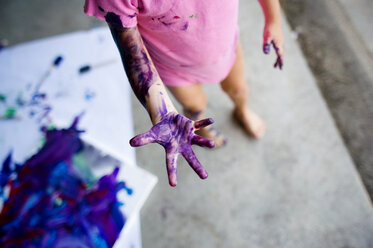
(176, 134)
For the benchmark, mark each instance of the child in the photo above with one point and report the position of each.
(183, 44)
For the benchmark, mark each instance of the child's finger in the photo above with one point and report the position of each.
(171, 162)
(192, 160)
(201, 141)
(266, 45)
(278, 48)
(279, 51)
(203, 123)
(142, 139)
(279, 63)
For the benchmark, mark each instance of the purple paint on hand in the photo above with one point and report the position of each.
(203, 123)
(176, 134)
(279, 60)
(266, 48)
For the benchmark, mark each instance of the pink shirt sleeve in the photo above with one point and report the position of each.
(117, 12)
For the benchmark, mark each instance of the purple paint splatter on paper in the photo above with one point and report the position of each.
(89, 94)
(50, 205)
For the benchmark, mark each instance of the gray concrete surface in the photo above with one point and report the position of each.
(343, 66)
(360, 13)
(295, 188)
(22, 21)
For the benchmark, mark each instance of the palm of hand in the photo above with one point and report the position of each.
(176, 134)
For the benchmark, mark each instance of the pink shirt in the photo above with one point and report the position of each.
(189, 41)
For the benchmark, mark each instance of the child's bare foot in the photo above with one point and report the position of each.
(214, 135)
(250, 121)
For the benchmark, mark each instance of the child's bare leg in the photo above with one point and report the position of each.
(235, 86)
(194, 102)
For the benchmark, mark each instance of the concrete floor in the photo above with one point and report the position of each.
(340, 56)
(297, 187)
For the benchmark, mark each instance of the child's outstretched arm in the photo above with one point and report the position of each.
(272, 30)
(171, 130)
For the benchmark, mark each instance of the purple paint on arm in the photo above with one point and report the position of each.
(135, 60)
(203, 123)
(163, 108)
(113, 19)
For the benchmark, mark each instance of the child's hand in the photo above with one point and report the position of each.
(273, 35)
(176, 134)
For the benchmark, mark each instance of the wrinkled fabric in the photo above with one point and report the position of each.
(190, 41)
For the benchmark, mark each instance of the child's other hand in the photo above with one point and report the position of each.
(272, 35)
(176, 134)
